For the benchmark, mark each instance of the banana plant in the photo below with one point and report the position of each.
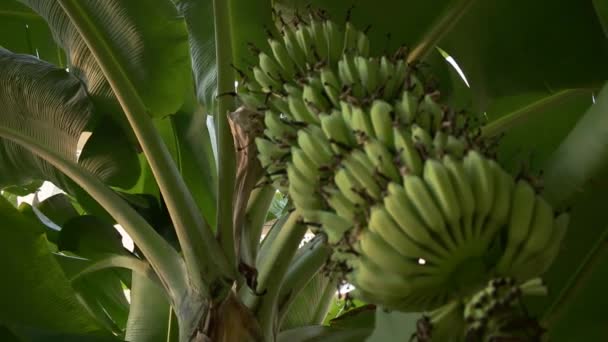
(158, 116)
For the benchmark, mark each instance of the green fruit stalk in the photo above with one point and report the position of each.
(419, 214)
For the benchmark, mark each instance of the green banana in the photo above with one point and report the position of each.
(268, 83)
(351, 36)
(335, 41)
(438, 180)
(276, 128)
(381, 223)
(368, 70)
(337, 131)
(363, 44)
(541, 229)
(387, 77)
(304, 165)
(331, 85)
(282, 56)
(301, 192)
(271, 68)
(300, 111)
(407, 108)
(481, 179)
(382, 121)
(364, 176)
(333, 225)
(455, 146)
(499, 214)
(522, 211)
(316, 146)
(401, 209)
(382, 159)
(422, 138)
(313, 97)
(305, 42)
(426, 207)
(408, 155)
(349, 186)
(390, 260)
(293, 48)
(464, 193)
(360, 122)
(317, 32)
(340, 204)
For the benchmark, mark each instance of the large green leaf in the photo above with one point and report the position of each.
(246, 18)
(50, 106)
(146, 37)
(23, 31)
(35, 295)
(582, 155)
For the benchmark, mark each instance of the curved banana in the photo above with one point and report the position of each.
(481, 179)
(306, 44)
(316, 146)
(464, 192)
(305, 165)
(407, 108)
(300, 111)
(382, 121)
(382, 159)
(381, 223)
(363, 176)
(390, 260)
(522, 210)
(314, 99)
(276, 128)
(426, 207)
(360, 122)
(268, 83)
(340, 204)
(293, 48)
(369, 73)
(405, 215)
(438, 180)
(499, 214)
(335, 41)
(541, 229)
(333, 225)
(407, 152)
(282, 56)
(317, 32)
(331, 85)
(422, 138)
(271, 68)
(336, 130)
(349, 186)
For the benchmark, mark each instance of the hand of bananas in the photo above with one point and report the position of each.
(420, 216)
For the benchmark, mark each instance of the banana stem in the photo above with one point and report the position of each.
(225, 143)
(272, 272)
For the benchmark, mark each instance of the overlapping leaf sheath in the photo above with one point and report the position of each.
(418, 211)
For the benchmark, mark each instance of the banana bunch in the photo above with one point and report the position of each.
(418, 213)
(492, 313)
